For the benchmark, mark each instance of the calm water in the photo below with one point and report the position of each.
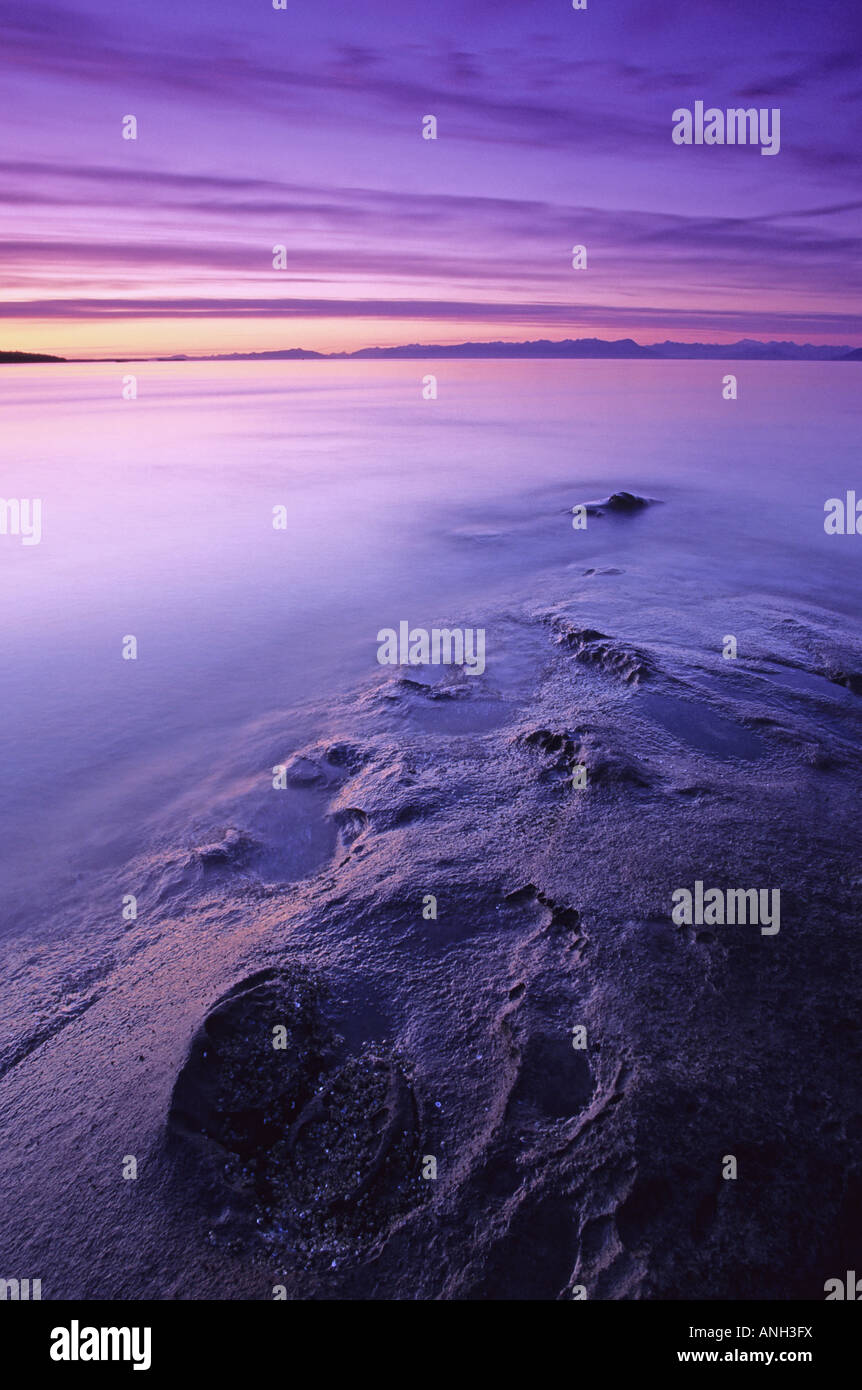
(157, 522)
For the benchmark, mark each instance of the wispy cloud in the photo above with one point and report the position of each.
(557, 317)
(259, 128)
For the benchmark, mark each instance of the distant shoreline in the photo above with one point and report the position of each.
(568, 349)
(11, 357)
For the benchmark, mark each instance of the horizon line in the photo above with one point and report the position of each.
(526, 348)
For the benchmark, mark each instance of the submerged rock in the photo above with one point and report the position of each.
(611, 656)
(620, 502)
(565, 752)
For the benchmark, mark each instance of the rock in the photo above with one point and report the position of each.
(621, 502)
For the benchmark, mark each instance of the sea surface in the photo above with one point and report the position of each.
(447, 1035)
(158, 523)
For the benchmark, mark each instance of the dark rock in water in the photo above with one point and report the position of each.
(578, 637)
(612, 657)
(439, 690)
(626, 502)
(623, 502)
(566, 752)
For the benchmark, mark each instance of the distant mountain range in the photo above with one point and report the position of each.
(747, 349)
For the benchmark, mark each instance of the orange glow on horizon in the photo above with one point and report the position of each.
(143, 338)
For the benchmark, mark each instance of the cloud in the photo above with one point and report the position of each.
(436, 242)
(537, 94)
(506, 95)
(560, 317)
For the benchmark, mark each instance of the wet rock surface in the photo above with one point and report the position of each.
(623, 503)
(482, 969)
(605, 654)
(315, 1147)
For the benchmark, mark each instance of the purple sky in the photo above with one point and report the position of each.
(302, 127)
